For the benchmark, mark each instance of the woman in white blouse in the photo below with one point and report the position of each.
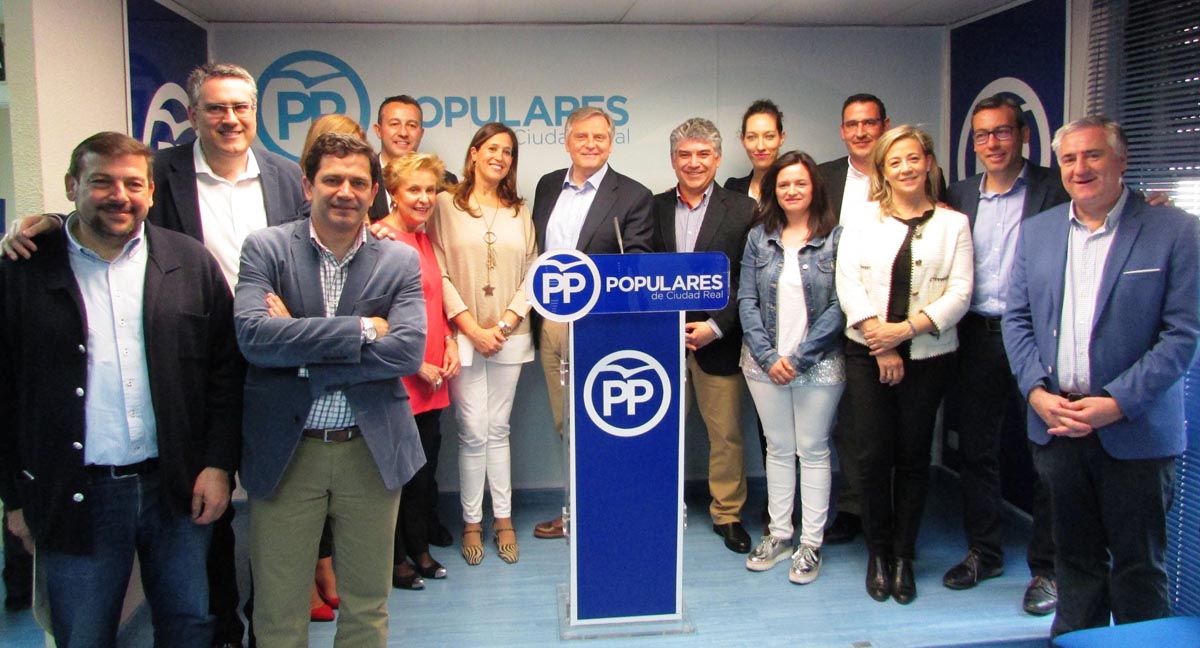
(903, 280)
(483, 236)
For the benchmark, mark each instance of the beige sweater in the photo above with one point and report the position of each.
(462, 254)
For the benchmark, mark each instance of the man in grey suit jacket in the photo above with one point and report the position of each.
(699, 216)
(591, 208)
(329, 319)
(984, 400)
(1102, 322)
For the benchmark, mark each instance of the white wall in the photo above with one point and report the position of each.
(666, 73)
(66, 77)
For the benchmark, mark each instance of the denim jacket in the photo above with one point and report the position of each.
(758, 301)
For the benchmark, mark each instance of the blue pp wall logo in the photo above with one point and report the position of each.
(301, 86)
(564, 285)
(166, 121)
(627, 393)
(1036, 119)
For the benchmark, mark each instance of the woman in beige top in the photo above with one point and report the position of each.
(484, 240)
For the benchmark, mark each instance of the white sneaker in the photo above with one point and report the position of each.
(770, 550)
(806, 565)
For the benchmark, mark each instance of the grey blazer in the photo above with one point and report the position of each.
(384, 280)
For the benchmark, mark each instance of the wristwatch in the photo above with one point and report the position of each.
(368, 330)
(505, 328)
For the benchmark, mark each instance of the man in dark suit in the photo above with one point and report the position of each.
(985, 399)
(864, 119)
(591, 208)
(1102, 322)
(329, 318)
(699, 216)
(120, 388)
(399, 127)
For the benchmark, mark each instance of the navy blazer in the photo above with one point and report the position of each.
(177, 204)
(726, 223)
(618, 198)
(384, 280)
(1144, 333)
(1043, 191)
(195, 372)
(740, 185)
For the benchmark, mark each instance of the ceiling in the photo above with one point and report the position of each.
(811, 13)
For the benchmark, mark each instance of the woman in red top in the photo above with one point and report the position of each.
(413, 181)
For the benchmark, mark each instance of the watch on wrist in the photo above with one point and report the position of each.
(368, 331)
(505, 328)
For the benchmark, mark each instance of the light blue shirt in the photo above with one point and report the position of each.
(566, 220)
(688, 221)
(1086, 254)
(997, 223)
(119, 424)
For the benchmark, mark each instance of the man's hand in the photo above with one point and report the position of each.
(210, 495)
(276, 307)
(19, 241)
(1049, 407)
(17, 527)
(891, 367)
(782, 372)
(696, 335)
(1086, 415)
(380, 230)
(1158, 199)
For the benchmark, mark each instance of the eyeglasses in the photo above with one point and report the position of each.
(866, 123)
(220, 110)
(1003, 134)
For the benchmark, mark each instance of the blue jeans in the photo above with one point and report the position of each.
(129, 515)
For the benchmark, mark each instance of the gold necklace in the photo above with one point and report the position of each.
(489, 237)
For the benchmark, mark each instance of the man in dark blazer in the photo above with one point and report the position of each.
(985, 402)
(329, 318)
(699, 216)
(399, 126)
(591, 208)
(1102, 322)
(120, 388)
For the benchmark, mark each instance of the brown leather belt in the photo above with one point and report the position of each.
(334, 435)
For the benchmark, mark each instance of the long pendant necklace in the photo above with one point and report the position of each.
(489, 237)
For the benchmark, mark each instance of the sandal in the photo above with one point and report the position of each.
(472, 543)
(506, 545)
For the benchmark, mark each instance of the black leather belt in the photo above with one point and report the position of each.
(118, 472)
(333, 435)
(1072, 396)
(989, 324)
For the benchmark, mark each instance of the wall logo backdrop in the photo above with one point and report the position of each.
(164, 47)
(627, 393)
(301, 86)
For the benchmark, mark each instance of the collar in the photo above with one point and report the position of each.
(202, 167)
(1021, 181)
(855, 173)
(1111, 220)
(708, 191)
(358, 243)
(594, 180)
(132, 246)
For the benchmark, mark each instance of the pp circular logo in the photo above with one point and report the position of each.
(1036, 119)
(631, 390)
(563, 285)
(300, 87)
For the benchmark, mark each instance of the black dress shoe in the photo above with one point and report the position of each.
(736, 538)
(405, 577)
(877, 578)
(1041, 597)
(904, 586)
(433, 570)
(439, 536)
(970, 571)
(845, 526)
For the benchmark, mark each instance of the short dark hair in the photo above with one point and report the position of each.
(403, 99)
(997, 101)
(763, 107)
(108, 144)
(864, 97)
(204, 73)
(821, 219)
(336, 144)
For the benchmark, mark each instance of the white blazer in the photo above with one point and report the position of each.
(942, 275)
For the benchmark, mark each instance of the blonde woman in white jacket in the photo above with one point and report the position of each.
(904, 280)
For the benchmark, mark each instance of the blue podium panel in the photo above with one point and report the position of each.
(627, 468)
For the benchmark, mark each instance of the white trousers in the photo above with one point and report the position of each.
(796, 422)
(483, 397)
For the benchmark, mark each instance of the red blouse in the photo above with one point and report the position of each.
(421, 394)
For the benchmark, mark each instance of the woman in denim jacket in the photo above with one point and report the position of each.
(792, 354)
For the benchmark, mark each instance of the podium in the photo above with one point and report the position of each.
(625, 429)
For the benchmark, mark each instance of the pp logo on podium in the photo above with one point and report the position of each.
(564, 285)
(627, 393)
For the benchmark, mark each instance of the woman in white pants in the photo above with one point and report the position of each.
(792, 355)
(484, 239)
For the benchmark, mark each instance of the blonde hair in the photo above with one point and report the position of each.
(404, 166)
(332, 123)
(881, 191)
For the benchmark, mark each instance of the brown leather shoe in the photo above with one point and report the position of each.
(550, 530)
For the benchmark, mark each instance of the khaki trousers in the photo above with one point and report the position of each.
(553, 350)
(719, 399)
(341, 481)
